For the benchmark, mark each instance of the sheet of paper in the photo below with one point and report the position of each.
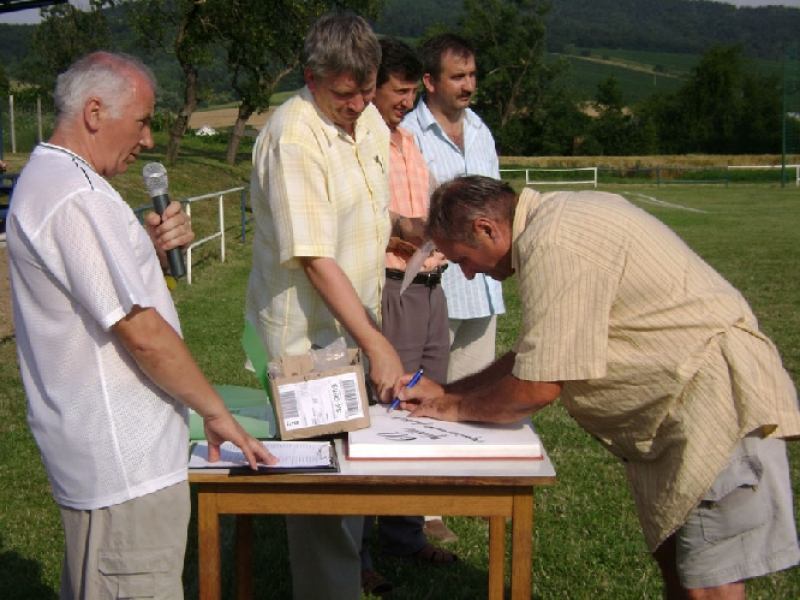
(292, 455)
(395, 434)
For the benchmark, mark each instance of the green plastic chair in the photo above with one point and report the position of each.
(251, 407)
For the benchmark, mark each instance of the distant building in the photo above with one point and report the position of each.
(206, 130)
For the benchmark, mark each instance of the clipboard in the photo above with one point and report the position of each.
(306, 456)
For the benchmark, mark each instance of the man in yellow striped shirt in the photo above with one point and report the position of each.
(320, 194)
(653, 353)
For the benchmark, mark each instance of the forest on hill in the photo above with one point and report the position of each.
(614, 77)
(681, 26)
(675, 26)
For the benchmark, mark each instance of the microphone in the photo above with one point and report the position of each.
(155, 180)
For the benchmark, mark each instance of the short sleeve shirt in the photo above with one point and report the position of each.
(79, 261)
(661, 358)
(482, 296)
(410, 185)
(316, 192)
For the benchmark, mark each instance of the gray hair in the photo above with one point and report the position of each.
(458, 203)
(342, 43)
(104, 75)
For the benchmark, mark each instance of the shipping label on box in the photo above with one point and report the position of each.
(310, 403)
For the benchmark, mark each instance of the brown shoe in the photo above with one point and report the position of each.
(375, 584)
(435, 556)
(435, 529)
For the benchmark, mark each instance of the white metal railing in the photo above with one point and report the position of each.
(218, 234)
(220, 196)
(795, 167)
(528, 181)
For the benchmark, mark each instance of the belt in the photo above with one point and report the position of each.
(429, 279)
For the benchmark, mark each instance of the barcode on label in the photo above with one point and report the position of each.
(289, 405)
(351, 397)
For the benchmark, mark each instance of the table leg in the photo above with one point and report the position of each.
(497, 557)
(244, 557)
(208, 550)
(521, 543)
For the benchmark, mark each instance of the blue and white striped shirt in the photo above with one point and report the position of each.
(483, 296)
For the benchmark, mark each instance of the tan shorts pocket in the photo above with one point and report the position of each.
(134, 573)
(733, 505)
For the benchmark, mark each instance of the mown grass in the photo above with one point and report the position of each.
(587, 538)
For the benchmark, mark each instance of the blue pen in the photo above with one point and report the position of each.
(410, 384)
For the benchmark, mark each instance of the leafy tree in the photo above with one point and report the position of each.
(615, 131)
(609, 129)
(184, 29)
(560, 128)
(610, 97)
(760, 129)
(413, 19)
(724, 107)
(661, 111)
(262, 41)
(517, 88)
(65, 34)
(509, 40)
(5, 85)
(711, 100)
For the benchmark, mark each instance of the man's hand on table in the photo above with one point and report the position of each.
(226, 428)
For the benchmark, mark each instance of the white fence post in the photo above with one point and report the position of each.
(189, 249)
(11, 123)
(218, 234)
(528, 170)
(221, 229)
(40, 139)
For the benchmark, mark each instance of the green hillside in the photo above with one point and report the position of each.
(671, 63)
(637, 80)
(639, 73)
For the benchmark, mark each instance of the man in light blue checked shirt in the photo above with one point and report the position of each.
(455, 141)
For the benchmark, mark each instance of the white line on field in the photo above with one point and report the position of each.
(662, 202)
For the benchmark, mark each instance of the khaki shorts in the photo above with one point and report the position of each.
(744, 527)
(129, 550)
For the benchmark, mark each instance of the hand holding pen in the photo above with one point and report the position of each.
(410, 384)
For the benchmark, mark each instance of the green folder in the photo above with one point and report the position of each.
(251, 407)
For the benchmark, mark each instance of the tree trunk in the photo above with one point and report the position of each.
(245, 112)
(184, 115)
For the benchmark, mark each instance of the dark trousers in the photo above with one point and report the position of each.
(417, 326)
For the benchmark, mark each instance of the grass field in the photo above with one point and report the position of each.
(587, 539)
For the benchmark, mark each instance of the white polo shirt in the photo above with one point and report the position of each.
(79, 261)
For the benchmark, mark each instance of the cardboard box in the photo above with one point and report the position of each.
(310, 404)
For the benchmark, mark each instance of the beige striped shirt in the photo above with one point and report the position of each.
(661, 358)
(316, 192)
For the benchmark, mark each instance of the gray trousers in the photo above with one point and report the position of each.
(417, 326)
(324, 555)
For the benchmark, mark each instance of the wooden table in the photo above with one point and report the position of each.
(496, 489)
